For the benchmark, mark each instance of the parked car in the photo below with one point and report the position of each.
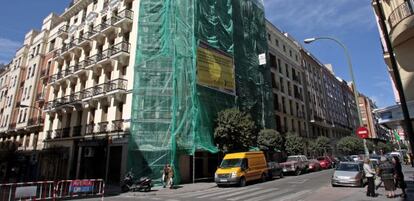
(274, 170)
(325, 162)
(295, 164)
(314, 165)
(239, 168)
(349, 174)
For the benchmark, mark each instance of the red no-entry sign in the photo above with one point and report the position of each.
(362, 132)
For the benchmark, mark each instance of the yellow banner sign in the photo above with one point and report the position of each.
(215, 70)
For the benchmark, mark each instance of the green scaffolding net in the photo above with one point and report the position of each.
(174, 103)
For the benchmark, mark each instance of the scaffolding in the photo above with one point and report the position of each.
(174, 107)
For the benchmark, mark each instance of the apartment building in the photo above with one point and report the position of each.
(370, 119)
(90, 84)
(287, 82)
(316, 105)
(399, 19)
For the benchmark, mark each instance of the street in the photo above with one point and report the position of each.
(308, 187)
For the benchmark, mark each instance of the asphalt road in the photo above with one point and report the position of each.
(308, 187)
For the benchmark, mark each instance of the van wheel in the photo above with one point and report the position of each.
(263, 177)
(242, 182)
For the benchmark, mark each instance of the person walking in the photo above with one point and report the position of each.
(170, 176)
(399, 176)
(387, 172)
(369, 174)
(164, 175)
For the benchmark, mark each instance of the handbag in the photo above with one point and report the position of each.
(377, 182)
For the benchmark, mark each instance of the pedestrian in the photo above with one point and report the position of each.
(386, 172)
(369, 174)
(170, 176)
(164, 175)
(399, 176)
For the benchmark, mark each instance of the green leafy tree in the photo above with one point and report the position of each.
(312, 148)
(350, 145)
(269, 139)
(294, 144)
(235, 131)
(322, 144)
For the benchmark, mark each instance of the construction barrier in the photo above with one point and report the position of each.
(79, 188)
(50, 190)
(43, 190)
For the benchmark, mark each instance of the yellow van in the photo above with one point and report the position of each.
(239, 168)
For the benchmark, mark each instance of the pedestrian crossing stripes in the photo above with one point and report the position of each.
(269, 195)
(252, 194)
(234, 194)
(293, 196)
(245, 194)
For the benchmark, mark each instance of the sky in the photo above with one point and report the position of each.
(351, 21)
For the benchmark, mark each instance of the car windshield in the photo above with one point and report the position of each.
(293, 158)
(230, 163)
(348, 167)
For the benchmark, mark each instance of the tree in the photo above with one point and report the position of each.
(270, 139)
(235, 131)
(312, 148)
(350, 145)
(294, 144)
(322, 144)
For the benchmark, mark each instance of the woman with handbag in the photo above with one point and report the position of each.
(399, 176)
(387, 172)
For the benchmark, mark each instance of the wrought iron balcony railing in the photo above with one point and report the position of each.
(403, 11)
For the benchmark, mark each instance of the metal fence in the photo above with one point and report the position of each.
(51, 190)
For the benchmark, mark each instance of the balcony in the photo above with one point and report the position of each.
(77, 131)
(35, 122)
(124, 19)
(121, 52)
(90, 129)
(83, 42)
(103, 127)
(103, 58)
(58, 55)
(49, 135)
(101, 30)
(63, 32)
(400, 13)
(40, 97)
(118, 125)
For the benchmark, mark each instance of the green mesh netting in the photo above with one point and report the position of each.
(171, 114)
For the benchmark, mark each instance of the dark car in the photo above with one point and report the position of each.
(275, 170)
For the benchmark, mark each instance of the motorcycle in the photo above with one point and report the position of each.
(130, 184)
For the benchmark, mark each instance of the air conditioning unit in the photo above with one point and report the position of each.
(89, 152)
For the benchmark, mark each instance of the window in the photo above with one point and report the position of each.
(24, 94)
(290, 53)
(33, 70)
(25, 114)
(38, 49)
(279, 65)
(28, 94)
(10, 100)
(52, 45)
(284, 48)
(277, 42)
(269, 37)
(28, 72)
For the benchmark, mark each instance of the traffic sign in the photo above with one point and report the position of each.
(362, 132)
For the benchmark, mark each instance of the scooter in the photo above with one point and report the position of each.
(130, 184)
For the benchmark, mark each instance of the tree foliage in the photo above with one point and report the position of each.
(269, 139)
(350, 145)
(294, 144)
(322, 144)
(235, 131)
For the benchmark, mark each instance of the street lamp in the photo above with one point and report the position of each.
(310, 40)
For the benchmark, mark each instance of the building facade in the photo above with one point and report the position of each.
(287, 82)
(399, 20)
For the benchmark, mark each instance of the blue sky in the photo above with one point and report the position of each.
(351, 21)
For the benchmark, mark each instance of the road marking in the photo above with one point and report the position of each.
(219, 193)
(236, 193)
(252, 194)
(298, 182)
(292, 196)
(196, 193)
(270, 195)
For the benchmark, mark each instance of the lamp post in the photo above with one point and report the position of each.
(351, 71)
